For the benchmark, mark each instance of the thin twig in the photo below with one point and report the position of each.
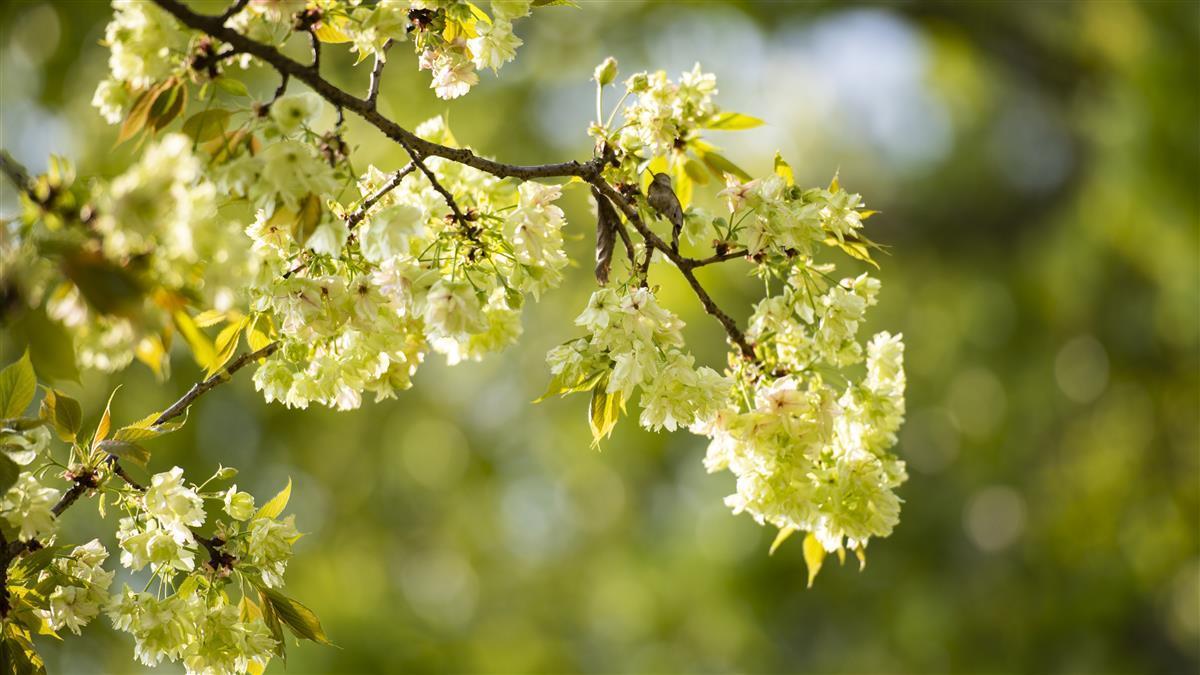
(718, 258)
(358, 214)
(233, 9)
(15, 172)
(200, 388)
(377, 75)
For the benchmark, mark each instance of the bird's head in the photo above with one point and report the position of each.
(662, 179)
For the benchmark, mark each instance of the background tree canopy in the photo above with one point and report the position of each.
(1036, 166)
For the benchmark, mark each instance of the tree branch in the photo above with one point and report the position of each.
(213, 26)
(204, 386)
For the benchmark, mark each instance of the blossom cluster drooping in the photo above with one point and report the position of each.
(633, 345)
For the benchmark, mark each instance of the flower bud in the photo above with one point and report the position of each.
(606, 72)
(239, 505)
(226, 472)
(638, 83)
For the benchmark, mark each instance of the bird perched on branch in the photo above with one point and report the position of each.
(662, 197)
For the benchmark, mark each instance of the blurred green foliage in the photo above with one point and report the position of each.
(1038, 169)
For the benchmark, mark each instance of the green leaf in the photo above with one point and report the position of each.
(233, 86)
(278, 503)
(9, 471)
(207, 124)
(784, 170)
(300, 619)
(17, 652)
(146, 428)
(29, 565)
(271, 618)
(558, 386)
(51, 347)
(859, 249)
(695, 171)
(126, 450)
(64, 413)
(720, 165)
(731, 121)
(17, 386)
(814, 555)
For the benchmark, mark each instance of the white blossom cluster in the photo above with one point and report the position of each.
(664, 114)
(410, 278)
(154, 226)
(633, 345)
(197, 624)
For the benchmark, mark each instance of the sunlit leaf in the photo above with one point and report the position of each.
(202, 348)
(277, 504)
(814, 556)
(64, 413)
(731, 121)
(18, 383)
(781, 537)
(784, 170)
(300, 619)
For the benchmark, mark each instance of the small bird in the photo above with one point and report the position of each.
(662, 198)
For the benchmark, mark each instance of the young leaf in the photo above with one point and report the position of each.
(277, 504)
(273, 624)
(126, 450)
(206, 124)
(783, 535)
(168, 107)
(603, 412)
(226, 345)
(202, 347)
(731, 121)
(814, 555)
(64, 413)
(720, 165)
(105, 420)
(329, 33)
(9, 471)
(232, 86)
(139, 114)
(17, 386)
(210, 317)
(784, 170)
(300, 619)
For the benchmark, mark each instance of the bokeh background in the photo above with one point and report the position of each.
(1038, 170)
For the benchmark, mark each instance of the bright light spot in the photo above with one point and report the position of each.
(441, 587)
(977, 401)
(994, 518)
(1081, 369)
